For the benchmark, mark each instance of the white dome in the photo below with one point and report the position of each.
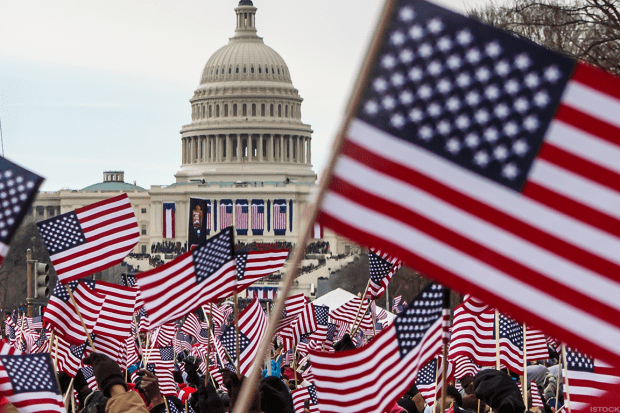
(245, 57)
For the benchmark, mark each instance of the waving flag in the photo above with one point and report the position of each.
(62, 316)
(590, 381)
(254, 265)
(28, 381)
(395, 301)
(163, 359)
(205, 274)
(304, 324)
(90, 239)
(18, 188)
(388, 364)
(252, 327)
(301, 395)
(168, 220)
(242, 216)
(351, 312)
(382, 269)
(490, 164)
(116, 315)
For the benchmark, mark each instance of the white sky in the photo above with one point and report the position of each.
(89, 86)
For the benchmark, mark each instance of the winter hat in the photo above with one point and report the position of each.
(499, 391)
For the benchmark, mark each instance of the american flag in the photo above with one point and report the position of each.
(351, 312)
(488, 163)
(144, 324)
(536, 399)
(252, 327)
(258, 216)
(163, 358)
(192, 326)
(218, 316)
(321, 313)
(61, 314)
(317, 231)
(254, 265)
(128, 280)
(510, 344)
(536, 345)
(90, 239)
(70, 356)
(116, 315)
(182, 342)
(430, 379)
(382, 269)
(293, 306)
(241, 212)
(35, 323)
(226, 213)
(18, 188)
(279, 216)
(304, 324)
(388, 364)
(28, 381)
(472, 332)
(591, 382)
(168, 224)
(208, 216)
(395, 303)
(112, 347)
(463, 366)
(42, 343)
(197, 277)
(301, 395)
(163, 336)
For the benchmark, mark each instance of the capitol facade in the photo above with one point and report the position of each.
(246, 153)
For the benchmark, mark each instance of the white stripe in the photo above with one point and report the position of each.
(584, 145)
(168, 233)
(4, 249)
(591, 101)
(125, 247)
(112, 226)
(576, 187)
(497, 196)
(473, 271)
(102, 240)
(480, 231)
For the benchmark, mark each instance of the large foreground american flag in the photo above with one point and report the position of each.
(491, 165)
(370, 378)
(91, 238)
(18, 188)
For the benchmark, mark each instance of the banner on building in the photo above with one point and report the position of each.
(168, 220)
(258, 216)
(242, 216)
(290, 215)
(199, 215)
(317, 231)
(226, 213)
(263, 293)
(279, 216)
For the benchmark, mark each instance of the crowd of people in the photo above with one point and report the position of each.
(262, 246)
(318, 247)
(169, 247)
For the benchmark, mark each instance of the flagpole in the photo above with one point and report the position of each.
(353, 329)
(210, 318)
(446, 323)
(360, 323)
(567, 401)
(21, 332)
(497, 364)
(559, 379)
(436, 377)
(56, 355)
(77, 310)
(525, 382)
(237, 344)
(313, 208)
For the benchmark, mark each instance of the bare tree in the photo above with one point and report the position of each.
(588, 30)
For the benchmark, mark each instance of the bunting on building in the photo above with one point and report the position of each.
(258, 216)
(242, 216)
(168, 224)
(263, 293)
(226, 213)
(279, 216)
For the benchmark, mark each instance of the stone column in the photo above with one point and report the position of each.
(228, 148)
(239, 154)
(191, 150)
(250, 147)
(183, 150)
(309, 149)
(260, 147)
(270, 148)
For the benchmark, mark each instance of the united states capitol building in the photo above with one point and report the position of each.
(246, 145)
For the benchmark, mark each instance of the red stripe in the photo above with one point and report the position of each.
(453, 280)
(111, 214)
(597, 79)
(112, 231)
(572, 208)
(580, 166)
(588, 124)
(96, 248)
(481, 210)
(101, 203)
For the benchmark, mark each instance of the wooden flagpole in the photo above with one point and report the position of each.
(166, 401)
(445, 324)
(210, 320)
(353, 328)
(237, 343)
(436, 377)
(77, 310)
(21, 332)
(358, 325)
(243, 401)
(559, 379)
(567, 401)
(497, 364)
(56, 355)
(374, 319)
(524, 377)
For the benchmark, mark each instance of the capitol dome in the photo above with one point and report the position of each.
(246, 115)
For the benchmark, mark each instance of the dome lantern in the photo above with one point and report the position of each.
(246, 19)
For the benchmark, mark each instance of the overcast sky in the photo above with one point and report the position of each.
(90, 86)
